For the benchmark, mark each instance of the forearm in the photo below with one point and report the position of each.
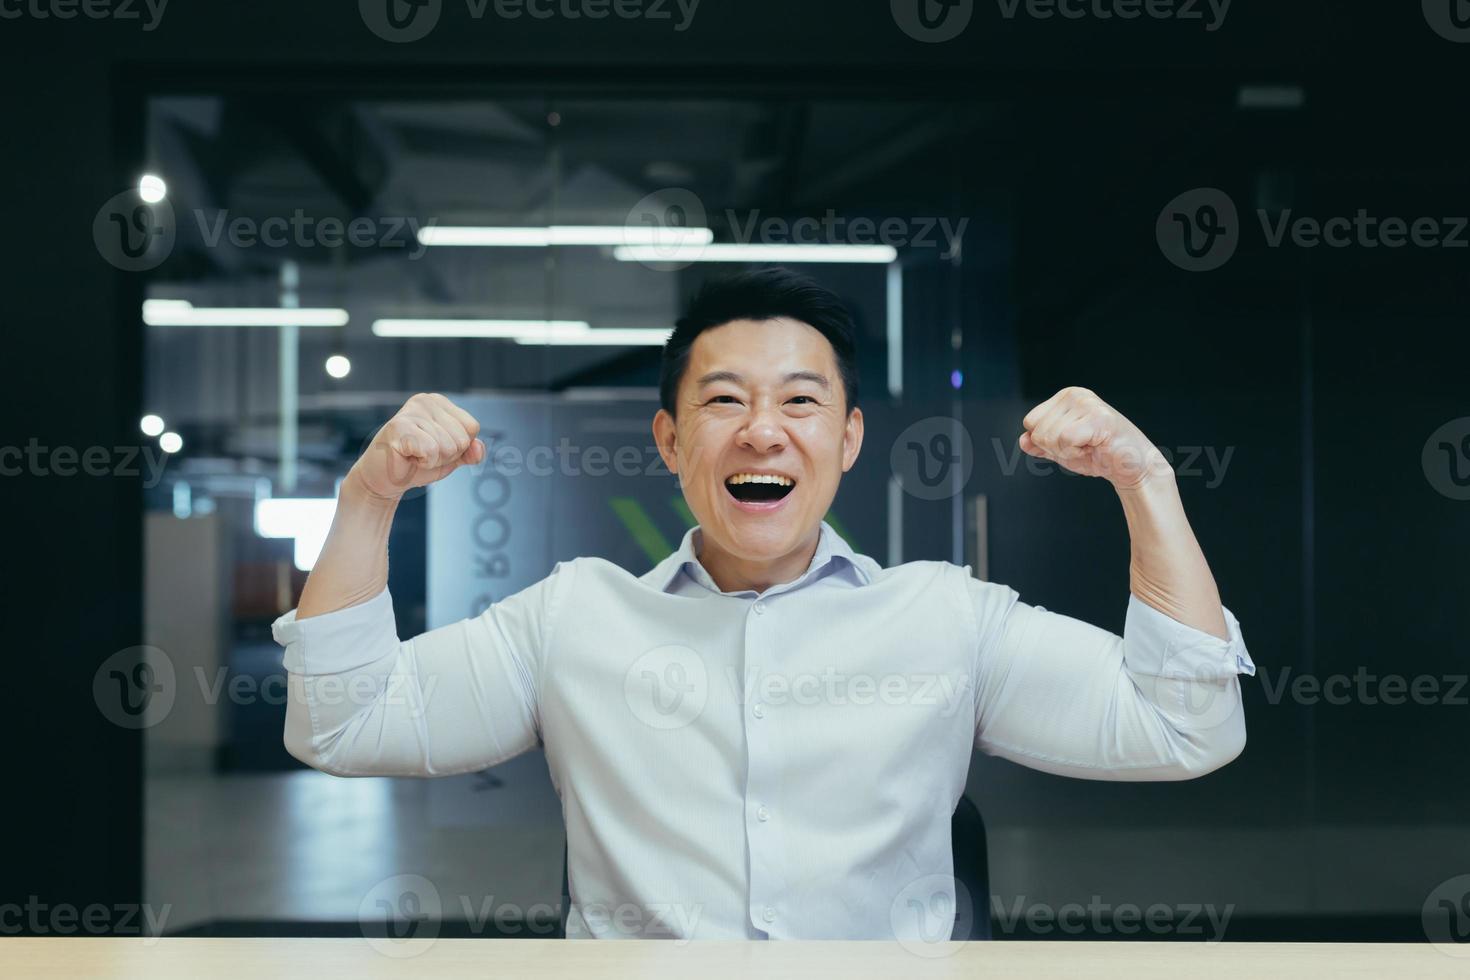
(353, 565)
(1168, 570)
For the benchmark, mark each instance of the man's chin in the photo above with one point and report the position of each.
(764, 538)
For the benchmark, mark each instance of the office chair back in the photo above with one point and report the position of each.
(971, 872)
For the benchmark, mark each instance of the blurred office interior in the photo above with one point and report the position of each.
(1294, 387)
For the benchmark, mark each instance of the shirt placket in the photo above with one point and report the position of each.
(764, 817)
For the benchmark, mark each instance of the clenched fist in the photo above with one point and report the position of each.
(1080, 431)
(427, 440)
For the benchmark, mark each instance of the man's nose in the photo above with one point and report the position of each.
(764, 433)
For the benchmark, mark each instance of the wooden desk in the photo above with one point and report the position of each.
(190, 959)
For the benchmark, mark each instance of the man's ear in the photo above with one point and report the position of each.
(852, 438)
(664, 438)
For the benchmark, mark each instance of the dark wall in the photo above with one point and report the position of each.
(1368, 570)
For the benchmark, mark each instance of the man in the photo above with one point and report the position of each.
(764, 736)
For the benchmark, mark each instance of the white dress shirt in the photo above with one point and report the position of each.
(775, 765)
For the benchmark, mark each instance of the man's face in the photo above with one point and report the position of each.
(762, 435)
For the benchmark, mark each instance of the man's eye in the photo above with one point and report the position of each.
(805, 400)
(724, 400)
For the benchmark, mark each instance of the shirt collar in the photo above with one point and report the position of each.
(832, 550)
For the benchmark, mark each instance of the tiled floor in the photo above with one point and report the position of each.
(308, 846)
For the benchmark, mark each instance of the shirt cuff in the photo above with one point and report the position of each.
(338, 641)
(1159, 645)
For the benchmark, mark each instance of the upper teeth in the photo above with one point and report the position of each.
(760, 478)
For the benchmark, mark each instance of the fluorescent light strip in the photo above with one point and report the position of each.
(486, 237)
(824, 254)
(503, 329)
(604, 337)
(564, 333)
(166, 304)
(180, 313)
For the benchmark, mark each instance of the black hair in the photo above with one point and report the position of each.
(761, 294)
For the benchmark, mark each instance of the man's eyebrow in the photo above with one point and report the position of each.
(812, 376)
(815, 377)
(714, 376)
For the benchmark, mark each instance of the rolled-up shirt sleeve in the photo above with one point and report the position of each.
(1160, 702)
(362, 702)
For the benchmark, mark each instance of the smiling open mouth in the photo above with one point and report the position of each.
(759, 488)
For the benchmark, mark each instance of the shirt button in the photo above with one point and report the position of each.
(763, 814)
(760, 607)
(769, 914)
(759, 711)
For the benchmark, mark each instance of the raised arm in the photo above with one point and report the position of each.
(427, 440)
(1160, 702)
(1080, 431)
(362, 702)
